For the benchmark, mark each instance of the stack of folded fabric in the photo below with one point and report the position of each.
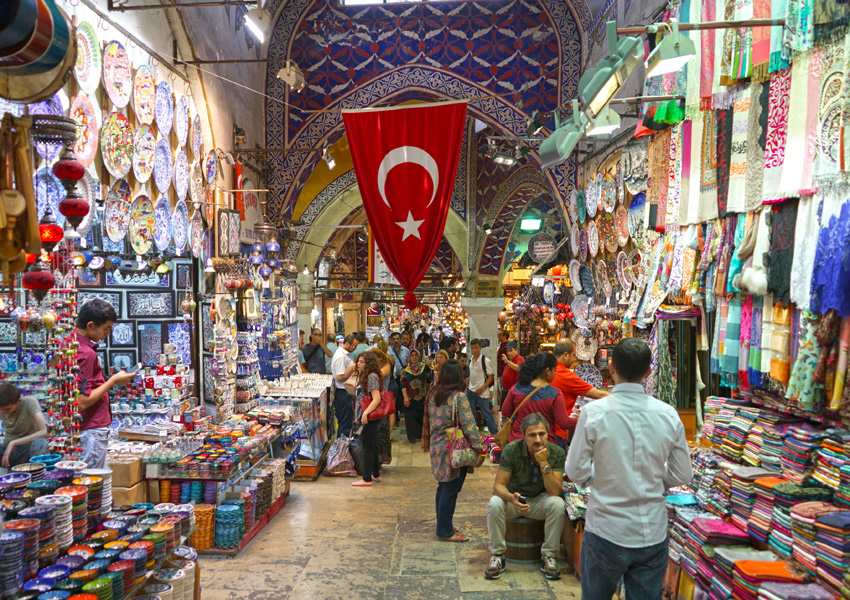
(749, 575)
(761, 517)
(773, 441)
(684, 516)
(803, 517)
(834, 453)
(786, 495)
(721, 424)
(712, 407)
(724, 562)
(736, 434)
(721, 489)
(842, 495)
(772, 590)
(832, 549)
(704, 537)
(798, 453)
(705, 465)
(743, 493)
(845, 589)
(752, 448)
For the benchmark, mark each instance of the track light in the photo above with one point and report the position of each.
(673, 53)
(361, 237)
(329, 160)
(598, 85)
(292, 76)
(258, 22)
(607, 122)
(504, 159)
(488, 230)
(558, 146)
(535, 125)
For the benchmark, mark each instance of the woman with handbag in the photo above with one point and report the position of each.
(387, 426)
(455, 445)
(368, 400)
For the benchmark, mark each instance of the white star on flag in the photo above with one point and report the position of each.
(411, 227)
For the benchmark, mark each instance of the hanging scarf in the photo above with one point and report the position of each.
(831, 18)
(766, 335)
(841, 365)
(802, 386)
(735, 263)
(798, 34)
(686, 182)
(756, 134)
(830, 286)
(674, 178)
(729, 39)
(666, 374)
(746, 332)
(830, 107)
(707, 205)
(803, 87)
(805, 244)
(781, 256)
(779, 60)
(738, 160)
(659, 162)
(761, 42)
(732, 346)
(807, 188)
(724, 157)
(706, 71)
(743, 64)
(754, 363)
(780, 344)
(777, 133)
(693, 78)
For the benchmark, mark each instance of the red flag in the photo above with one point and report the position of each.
(406, 160)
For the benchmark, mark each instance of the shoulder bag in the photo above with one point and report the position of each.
(461, 453)
(505, 431)
(385, 408)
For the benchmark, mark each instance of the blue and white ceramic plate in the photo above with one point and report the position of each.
(590, 375)
(163, 166)
(49, 192)
(162, 229)
(164, 108)
(180, 226)
(579, 308)
(181, 120)
(197, 234)
(181, 175)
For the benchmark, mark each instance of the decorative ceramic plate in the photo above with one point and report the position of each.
(600, 181)
(621, 225)
(197, 137)
(144, 147)
(180, 226)
(583, 245)
(621, 192)
(209, 207)
(572, 207)
(591, 197)
(197, 234)
(116, 215)
(142, 224)
(610, 237)
(181, 120)
(49, 192)
(592, 238)
(52, 106)
(162, 230)
(84, 113)
(609, 193)
(623, 271)
(144, 95)
(181, 175)
(589, 374)
(211, 167)
(574, 278)
(163, 165)
(586, 277)
(117, 141)
(117, 76)
(580, 207)
(579, 309)
(636, 212)
(89, 188)
(548, 291)
(575, 240)
(602, 275)
(164, 108)
(89, 63)
(196, 183)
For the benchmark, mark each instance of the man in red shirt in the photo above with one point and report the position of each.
(571, 385)
(511, 360)
(500, 362)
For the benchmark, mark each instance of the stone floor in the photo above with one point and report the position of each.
(332, 541)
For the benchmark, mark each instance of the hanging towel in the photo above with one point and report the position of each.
(756, 134)
(805, 243)
(777, 133)
(736, 202)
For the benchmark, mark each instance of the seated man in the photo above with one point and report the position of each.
(26, 428)
(528, 484)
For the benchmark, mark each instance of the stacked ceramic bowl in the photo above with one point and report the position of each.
(79, 508)
(18, 480)
(64, 518)
(180, 584)
(49, 460)
(163, 591)
(11, 562)
(72, 465)
(106, 502)
(36, 470)
(94, 483)
(29, 529)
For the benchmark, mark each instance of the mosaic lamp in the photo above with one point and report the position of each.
(49, 231)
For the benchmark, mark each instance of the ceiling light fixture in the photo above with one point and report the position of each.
(535, 124)
(673, 53)
(558, 146)
(487, 230)
(329, 160)
(306, 270)
(292, 76)
(530, 223)
(607, 122)
(504, 159)
(598, 85)
(258, 22)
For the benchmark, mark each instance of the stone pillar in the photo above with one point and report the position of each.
(306, 295)
(484, 321)
(353, 314)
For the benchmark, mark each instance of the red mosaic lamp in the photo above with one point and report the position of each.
(69, 171)
(38, 280)
(49, 231)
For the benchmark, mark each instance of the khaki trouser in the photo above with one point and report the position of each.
(543, 508)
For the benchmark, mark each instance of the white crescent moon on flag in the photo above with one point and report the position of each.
(408, 154)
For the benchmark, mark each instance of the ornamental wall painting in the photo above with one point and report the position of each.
(150, 304)
(133, 279)
(114, 298)
(208, 376)
(180, 334)
(184, 276)
(90, 278)
(123, 334)
(150, 343)
(227, 233)
(122, 360)
(207, 321)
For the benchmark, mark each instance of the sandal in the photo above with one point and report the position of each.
(457, 537)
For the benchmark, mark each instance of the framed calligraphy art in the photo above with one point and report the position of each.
(123, 334)
(114, 298)
(150, 304)
(227, 233)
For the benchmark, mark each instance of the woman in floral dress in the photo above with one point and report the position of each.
(447, 405)
(415, 381)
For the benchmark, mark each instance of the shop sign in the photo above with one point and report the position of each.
(250, 212)
(488, 288)
(542, 247)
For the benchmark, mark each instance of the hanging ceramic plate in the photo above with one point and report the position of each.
(197, 137)
(621, 193)
(621, 225)
(572, 207)
(117, 141)
(142, 224)
(210, 167)
(583, 245)
(586, 278)
(600, 181)
(89, 188)
(197, 234)
(181, 120)
(180, 226)
(548, 291)
(181, 175)
(144, 147)
(144, 95)
(591, 198)
(89, 58)
(164, 108)
(602, 274)
(49, 192)
(116, 216)
(209, 207)
(163, 165)
(592, 238)
(575, 240)
(84, 113)
(636, 211)
(589, 374)
(52, 106)
(609, 193)
(623, 271)
(635, 162)
(579, 309)
(610, 237)
(162, 230)
(574, 278)
(117, 76)
(580, 207)
(196, 183)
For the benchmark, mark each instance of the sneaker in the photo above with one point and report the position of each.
(549, 568)
(496, 567)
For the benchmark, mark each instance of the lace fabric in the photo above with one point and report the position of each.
(830, 285)
(805, 244)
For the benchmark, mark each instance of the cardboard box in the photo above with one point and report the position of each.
(129, 495)
(153, 491)
(126, 472)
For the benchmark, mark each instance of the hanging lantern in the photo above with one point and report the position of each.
(74, 208)
(68, 169)
(273, 248)
(265, 272)
(273, 263)
(38, 280)
(256, 259)
(257, 247)
(49, 231)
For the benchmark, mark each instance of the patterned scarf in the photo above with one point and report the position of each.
(831, 19)
(777, 133)
(803, 89)
(761, 42)
(756, 133)
(659, 161)
(674, 178)
(724, 158)
(781, 255)
(805, 245)
(779, 60)
(798, 34)
(707, 207)
(707, 55)
(830, 108)
(685, 167)
(841, 365)
(754, 363)
(742, 60)
(738, 162)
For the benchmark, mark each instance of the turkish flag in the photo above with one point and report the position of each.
(406, 159)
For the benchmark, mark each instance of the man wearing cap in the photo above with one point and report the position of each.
(511, 360)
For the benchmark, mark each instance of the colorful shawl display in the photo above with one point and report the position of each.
(803, 90)
(805, 244)
(777, 133)
(707, 55)
(761, 42)
(738, 162)
(756, 134)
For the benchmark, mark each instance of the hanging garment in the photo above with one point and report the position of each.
(674, 178)
(744, 351)
(779, 55)
(841, 365)
(830, 108)
(805, 244)
(736, 263)
(738, 160)
(780, 343)
(799, 33)
(754, 363)
(724, 158)
(802, 117)
(777, 133)
(802, 387)
(831, 17)
(731, 348)
(766, 334)
(707, 205)
(687, 180)
(756, 135)
(830, 287)
(761, 42)
(707, 47)
(781, 257)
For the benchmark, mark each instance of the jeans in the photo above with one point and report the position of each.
(543, 507)
(604, 563)
(344, 412)
(369, 437)
(94, 442)
(22, 454)
(446, 500)
(483, 404)
(563, 444)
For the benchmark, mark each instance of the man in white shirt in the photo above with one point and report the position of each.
(481, 377)
(630, 448)
(333, 347)
(342, 368)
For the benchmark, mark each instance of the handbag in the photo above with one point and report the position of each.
(505, 431)
(461, 453)
(384, 409)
